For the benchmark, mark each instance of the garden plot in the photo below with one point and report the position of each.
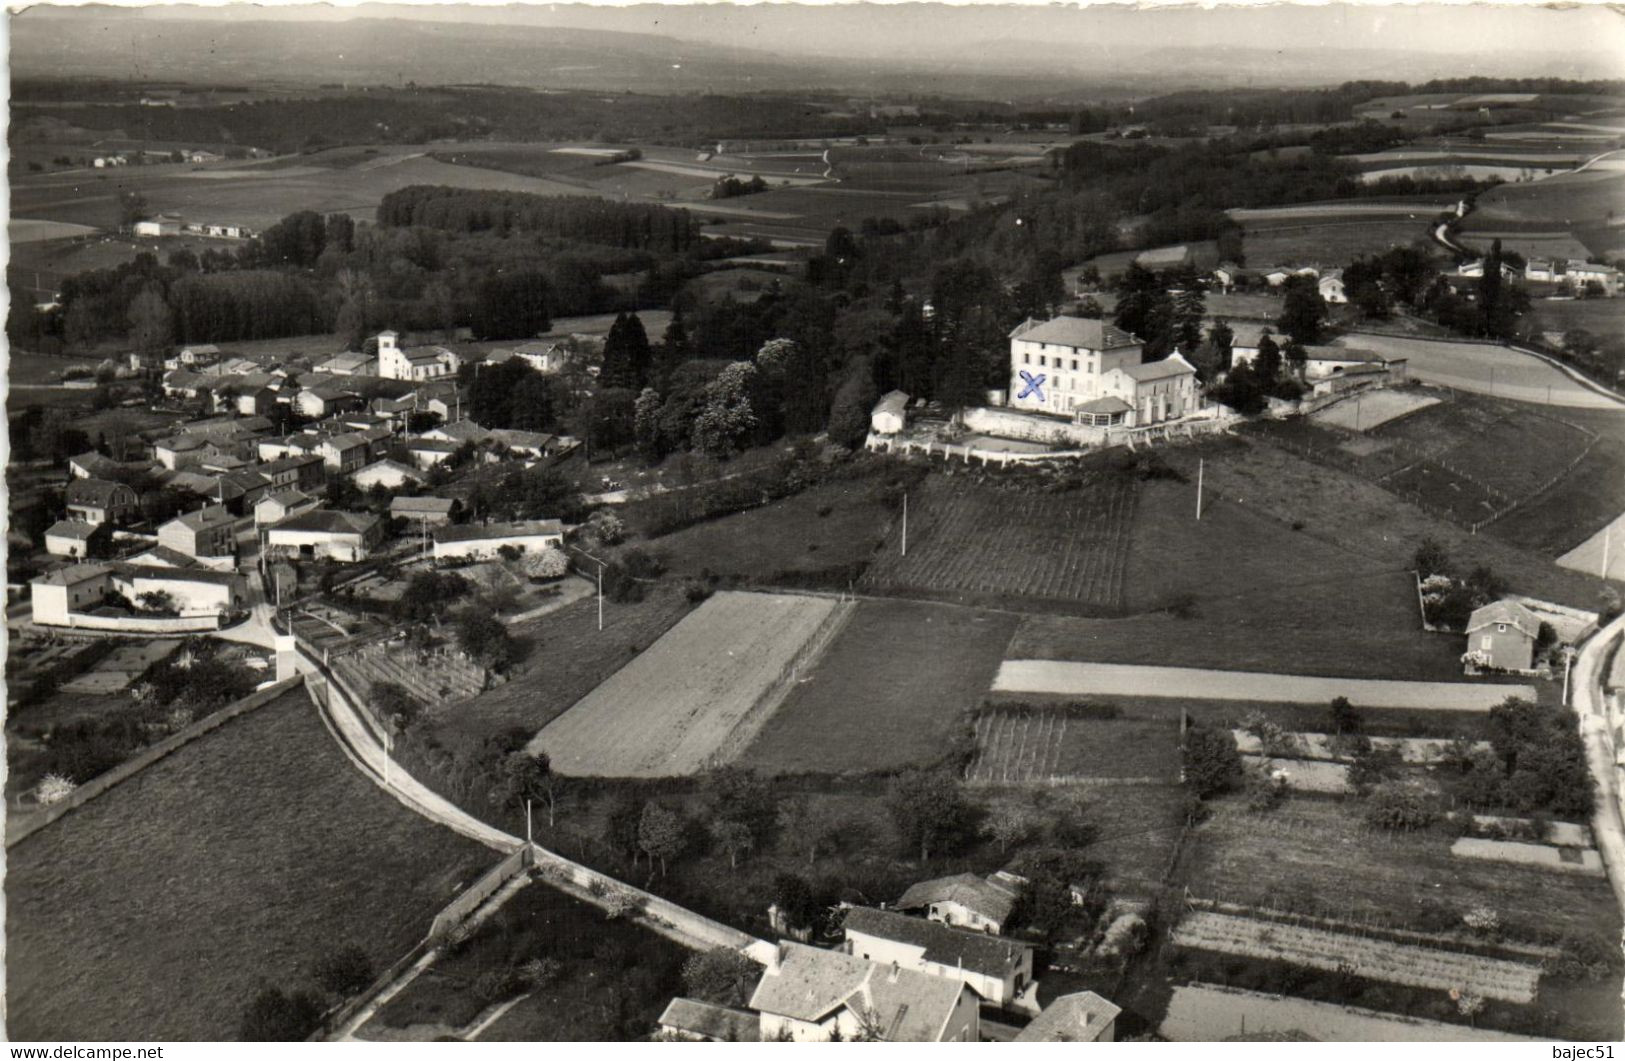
(673, 708)
(1369, 409)
(977, 543)
(1017, 745)
(1561, 859)
(1418, 750)
(1374, 959)
(1205, 1013)
(1306, 775)
(126, 663)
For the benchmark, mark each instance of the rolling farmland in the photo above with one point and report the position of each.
(1375, 959)
(980, 544)
(673, 709)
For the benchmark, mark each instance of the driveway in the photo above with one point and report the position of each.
(1119, 679)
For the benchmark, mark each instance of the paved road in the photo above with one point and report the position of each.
(1119, 679)
(1486, 368)
(1607, 825)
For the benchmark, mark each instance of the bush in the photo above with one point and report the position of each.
(275, 1016)
(1211, 761)
(1266, 789)
(722, 976)
(1483, 920)
(53, 788)
(345, 972)
(545, 565)
(497, 985)
(1400, 810)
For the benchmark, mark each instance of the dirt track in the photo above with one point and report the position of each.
(1116, 679)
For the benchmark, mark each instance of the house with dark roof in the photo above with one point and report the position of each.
(303, 471)
(100, 501)
(695, 1021)
(1058, 365)
(998, 970)
(431, 511)
(278, 505)
(75, 538)
(325, 534)
(326, 399)
(964, 900)
(485, 541)
(807, 994)
(239, 490)
(208, 532)
(343, 454)
(1081, 1017)
(1502, 635)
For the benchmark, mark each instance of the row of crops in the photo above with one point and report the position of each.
(986, 541)
(1018, 748)
(1373, 959)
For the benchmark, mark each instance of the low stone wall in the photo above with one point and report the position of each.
(125, 770)
(131, 624)
(462, 907)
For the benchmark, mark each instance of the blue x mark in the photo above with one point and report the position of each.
(1035, 385)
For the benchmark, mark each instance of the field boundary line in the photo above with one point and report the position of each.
(100, 784)
(755, 717)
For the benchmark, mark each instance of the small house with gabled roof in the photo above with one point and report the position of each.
(1503, 635)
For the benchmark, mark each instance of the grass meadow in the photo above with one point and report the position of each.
(156, 910)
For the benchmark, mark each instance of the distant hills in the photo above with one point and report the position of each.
(907, 48)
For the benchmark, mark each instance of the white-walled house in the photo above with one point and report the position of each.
(981, 904)
(73, 538)
(279, 505)
(387, 473)
(999, 970)
(811, 995)
(1331, 288)
(208, 532)
(1057, 365)
(473, 541)
(414, 363)
(890, 414)
(324, 534)
(75, 588)
(1155, 391)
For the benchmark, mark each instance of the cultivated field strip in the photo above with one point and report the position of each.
(1374, 959)
(668, 711)
(1018, 748)
(981, 542)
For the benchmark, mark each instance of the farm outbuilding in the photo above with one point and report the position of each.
(890, 414)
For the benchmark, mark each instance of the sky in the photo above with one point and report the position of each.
(868, 29)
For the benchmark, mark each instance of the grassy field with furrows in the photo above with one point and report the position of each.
(892, 690)
(980, 544)
(673, 708)
(158, 909)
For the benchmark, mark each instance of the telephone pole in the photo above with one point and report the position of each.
(905, 523)
(1201, 467)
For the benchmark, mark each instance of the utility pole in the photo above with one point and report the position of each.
(386, 755)
(528, 841)
(1607, 537)
(905, 523)
(601, 566)
(1201, 467)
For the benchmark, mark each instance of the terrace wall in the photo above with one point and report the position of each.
(128, 769)
(461, 908)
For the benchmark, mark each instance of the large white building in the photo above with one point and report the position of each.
(416, 363)
(1057, 365)
(1091, 372)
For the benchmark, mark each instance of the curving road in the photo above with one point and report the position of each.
(1607, 823)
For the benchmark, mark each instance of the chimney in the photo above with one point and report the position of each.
(891, 977)
(776, 963)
